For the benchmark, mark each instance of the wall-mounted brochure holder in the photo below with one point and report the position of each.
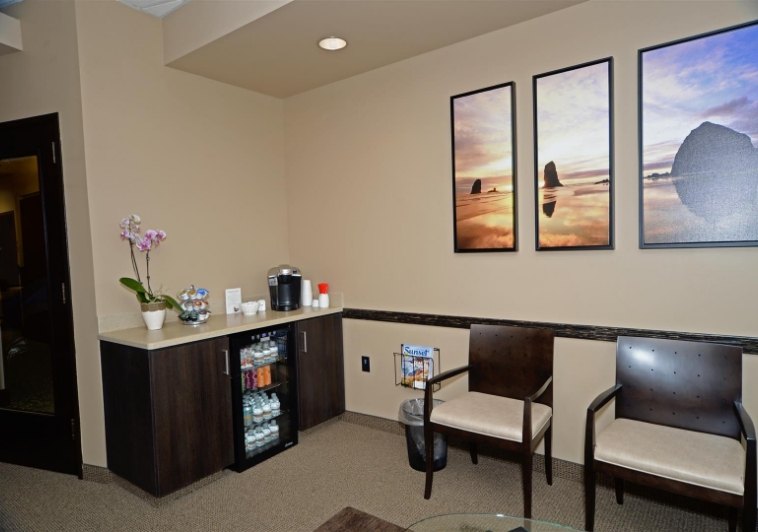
(415, 364)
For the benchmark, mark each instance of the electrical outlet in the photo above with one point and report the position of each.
(365, 363)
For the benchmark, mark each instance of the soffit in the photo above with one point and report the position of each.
(277, 55)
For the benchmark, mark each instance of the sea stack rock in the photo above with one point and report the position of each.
(551, 176)
(715, 171)
(476, 188)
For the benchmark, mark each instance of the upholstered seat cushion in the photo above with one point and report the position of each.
(491, 415)
(705, 460)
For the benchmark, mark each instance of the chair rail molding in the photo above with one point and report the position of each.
(602, 333)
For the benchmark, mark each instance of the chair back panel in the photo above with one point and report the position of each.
(510, 361)
(688, 385)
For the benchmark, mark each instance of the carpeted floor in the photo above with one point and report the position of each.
(336, 465)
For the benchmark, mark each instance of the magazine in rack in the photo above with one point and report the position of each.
(416, 365)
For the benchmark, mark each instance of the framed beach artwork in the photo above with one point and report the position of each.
(573, 157)
(698, 135)
(484, 169)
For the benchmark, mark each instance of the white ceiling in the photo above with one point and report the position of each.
(277, 53)
(157, 8)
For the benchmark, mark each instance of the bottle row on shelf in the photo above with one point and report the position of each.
(259, 407)
(265, 350)
(259, 378)
(261, 436)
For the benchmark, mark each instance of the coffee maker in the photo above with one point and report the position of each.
(284, 283)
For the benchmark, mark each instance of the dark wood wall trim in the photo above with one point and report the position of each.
(748, 344)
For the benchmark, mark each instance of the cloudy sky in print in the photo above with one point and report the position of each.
(713, 78)
(482, 133)
(573, 122)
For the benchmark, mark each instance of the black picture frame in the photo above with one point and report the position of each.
(483, 135)
(573, 152)
(698, 161)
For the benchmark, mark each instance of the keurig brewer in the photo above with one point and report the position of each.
(284, 286)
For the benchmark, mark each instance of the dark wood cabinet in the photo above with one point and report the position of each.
(168, 413)
(320, 369)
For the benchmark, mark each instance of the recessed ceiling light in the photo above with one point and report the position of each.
(332, 43)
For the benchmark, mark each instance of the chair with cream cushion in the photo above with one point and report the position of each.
(679, 426)
(509, 402)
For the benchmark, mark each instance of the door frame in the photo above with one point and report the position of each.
(45, 441)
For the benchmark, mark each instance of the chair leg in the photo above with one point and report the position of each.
(618, 483)
(748, 517)
(429, 448)
(526, 481)
(549, 455)
(589, 498)
(733, 520)
(474, 451)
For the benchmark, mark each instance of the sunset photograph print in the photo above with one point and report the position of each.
(573, 157)
(699, 139)
(483, 169)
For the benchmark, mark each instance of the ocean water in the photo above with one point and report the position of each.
(484, 221)
(576, 214)
(668, 221)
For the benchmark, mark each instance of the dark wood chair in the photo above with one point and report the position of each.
(678, 427)
(509, 404)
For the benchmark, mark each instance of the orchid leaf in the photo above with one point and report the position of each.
(133, 284)
(171, 302)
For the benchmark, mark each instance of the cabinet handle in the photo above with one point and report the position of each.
(226, 359)
(305, 342)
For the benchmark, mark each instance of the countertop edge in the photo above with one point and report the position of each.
(177, 333)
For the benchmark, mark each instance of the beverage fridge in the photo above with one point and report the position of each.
(264, 393)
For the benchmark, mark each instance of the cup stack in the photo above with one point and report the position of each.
(307, 293)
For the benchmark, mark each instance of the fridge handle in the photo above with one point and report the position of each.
(305, 341)
(226, 360)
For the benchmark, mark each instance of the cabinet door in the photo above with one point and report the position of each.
(192, 403)
(320, 371)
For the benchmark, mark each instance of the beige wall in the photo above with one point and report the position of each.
(367, 204)
(42, 79)
(369, 192)
(200, 159)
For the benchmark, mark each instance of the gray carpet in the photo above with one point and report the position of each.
(335, 465)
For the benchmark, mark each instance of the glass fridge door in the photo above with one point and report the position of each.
(264, 389)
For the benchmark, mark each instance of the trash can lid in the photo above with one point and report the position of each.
(412, 411)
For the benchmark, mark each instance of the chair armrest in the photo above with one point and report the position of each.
(526, 428)
(603, 398)
(748, 430)
(746, 424)
(428, 392)
(447, 374)
(536, 395)
(589, 434)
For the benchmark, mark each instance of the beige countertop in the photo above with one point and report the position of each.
(177, 333)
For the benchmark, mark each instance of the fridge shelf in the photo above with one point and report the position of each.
(249, 453)
(272, 386)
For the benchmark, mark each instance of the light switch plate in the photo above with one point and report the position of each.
(233, 300)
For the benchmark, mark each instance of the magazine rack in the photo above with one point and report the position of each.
(413, 371)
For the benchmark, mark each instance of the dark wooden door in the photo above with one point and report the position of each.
(192, 400)
(168, 413)
(39, 409)
(320, 369)
(8, 251)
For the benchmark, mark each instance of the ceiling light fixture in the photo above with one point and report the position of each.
(332, 43)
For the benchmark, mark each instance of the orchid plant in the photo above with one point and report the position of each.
(130, 231)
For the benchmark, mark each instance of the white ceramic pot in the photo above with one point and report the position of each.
(153, 314)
